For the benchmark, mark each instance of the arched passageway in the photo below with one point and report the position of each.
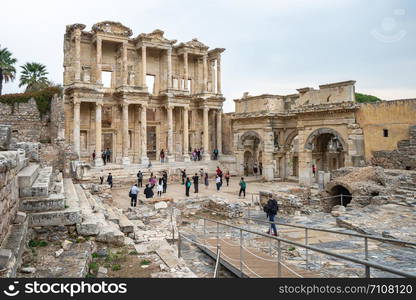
(342, 195)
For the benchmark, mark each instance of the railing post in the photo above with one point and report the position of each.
(241, 253)
(367, 268)
(279, 259)
(306, 243)
(218, 233)
(179, 245)
(217, 263)
(270, 246)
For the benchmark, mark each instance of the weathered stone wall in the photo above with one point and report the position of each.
(27, 124)
(10, 164)
(394, 116)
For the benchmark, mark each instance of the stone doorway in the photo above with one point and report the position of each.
(107, 142)
(295, 166)
(151, 142)
(248, 163)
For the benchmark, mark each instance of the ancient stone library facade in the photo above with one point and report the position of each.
(139, 95)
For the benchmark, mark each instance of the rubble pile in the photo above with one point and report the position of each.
(221, 207)
(291, 200)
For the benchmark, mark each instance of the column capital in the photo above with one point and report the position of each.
(77, 102)
(205, 108)
(169, 106)
(125, 104)
(99, 103)
(186, 107)
(144, 105)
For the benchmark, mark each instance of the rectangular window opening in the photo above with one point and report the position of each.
(150, 82)
(107, 77)
(385, 132)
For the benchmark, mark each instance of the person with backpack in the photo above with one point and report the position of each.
(110, 180)
(227, 177)
(243, 186)
(187, 186)
(271, 209)
(134, 191)
(140, 179)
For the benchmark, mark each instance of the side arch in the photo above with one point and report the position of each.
(311, 138)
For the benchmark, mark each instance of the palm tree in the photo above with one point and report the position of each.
(7, 70)
(33, 76)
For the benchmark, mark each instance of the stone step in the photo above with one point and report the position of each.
(13, 246)
(110, 233)
(25, 178)
(71, 215)
(43, 182)
(112, 215)
(34, 204)
(126, 226)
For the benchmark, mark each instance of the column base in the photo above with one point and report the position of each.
(144, 161)
(268, 173)
(125, 160)
(98, 162)
(186, 158)
(206, 157)
(170, 158)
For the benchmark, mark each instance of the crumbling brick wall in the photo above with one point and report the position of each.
(404, 157)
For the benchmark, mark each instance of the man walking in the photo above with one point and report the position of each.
(110, 180)
(195, 180)
(108, 155)
(243, 186)
(165, 181)
(183, 176)
(140, 179)
(271, 209)
(104, 157)
(134, 191)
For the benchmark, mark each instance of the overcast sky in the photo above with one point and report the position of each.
(271, 46)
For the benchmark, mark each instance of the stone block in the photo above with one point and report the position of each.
(20, 217)
(5, 137)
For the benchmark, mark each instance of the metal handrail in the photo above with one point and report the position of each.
(368, 264)
(217, 261)
(387, 240)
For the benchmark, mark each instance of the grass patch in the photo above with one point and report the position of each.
(116, 267)
(36, 243)
(134, 252)
(93, 267)
(292, 249)
(145, 262)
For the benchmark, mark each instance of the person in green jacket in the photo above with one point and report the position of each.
(187, 186)
(243, 186)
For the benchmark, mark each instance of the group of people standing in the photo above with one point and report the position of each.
(196, 155)
(257, 169)
(105, 155)
(160, 184)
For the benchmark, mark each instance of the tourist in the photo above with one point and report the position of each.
(313, 170)
(201, 173)
(160, 187)
(140, 179)
(183, 172)
(162, 156)
(165, 181)
(110, 180)
(206, 181)
(194, 158)
(134, 191)
(195, 180)
(261, 168)
(255, 169)
(219, 173)
(218, 182)
(93, 155)
(243, 186)
(271, 209)
(187, 186)
(215, 152)
(101, 179)
(148, 191)
(198, 154)
(104, 157)
(152, 181)
(108, 155)
(227, 177)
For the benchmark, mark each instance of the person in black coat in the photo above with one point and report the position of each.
(195, 179)
(148, 191)
(110, 180)
(271, 209)
(165, 181)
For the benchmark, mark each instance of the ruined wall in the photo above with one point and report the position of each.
(328, 93)
(27, 124)
(10, 164)
(394, 116)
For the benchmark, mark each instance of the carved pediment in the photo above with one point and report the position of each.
(114, 28)
(196, 44)
(70, 28)
(156, 36)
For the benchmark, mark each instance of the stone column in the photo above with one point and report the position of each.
(77, 55)
(144, 67)
(185, 69)
(98, 159)
(76, 134)
(169, 68)
(185, 134)
(205, 73)
(219, 131)
(143, 133)
(206, 155)
(170, 156)
(99, 60)
(219, 75)
(125, 160)
(124, 71)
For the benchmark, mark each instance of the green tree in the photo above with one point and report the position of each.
(363, 98)
(33, 76)
(7, 69)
